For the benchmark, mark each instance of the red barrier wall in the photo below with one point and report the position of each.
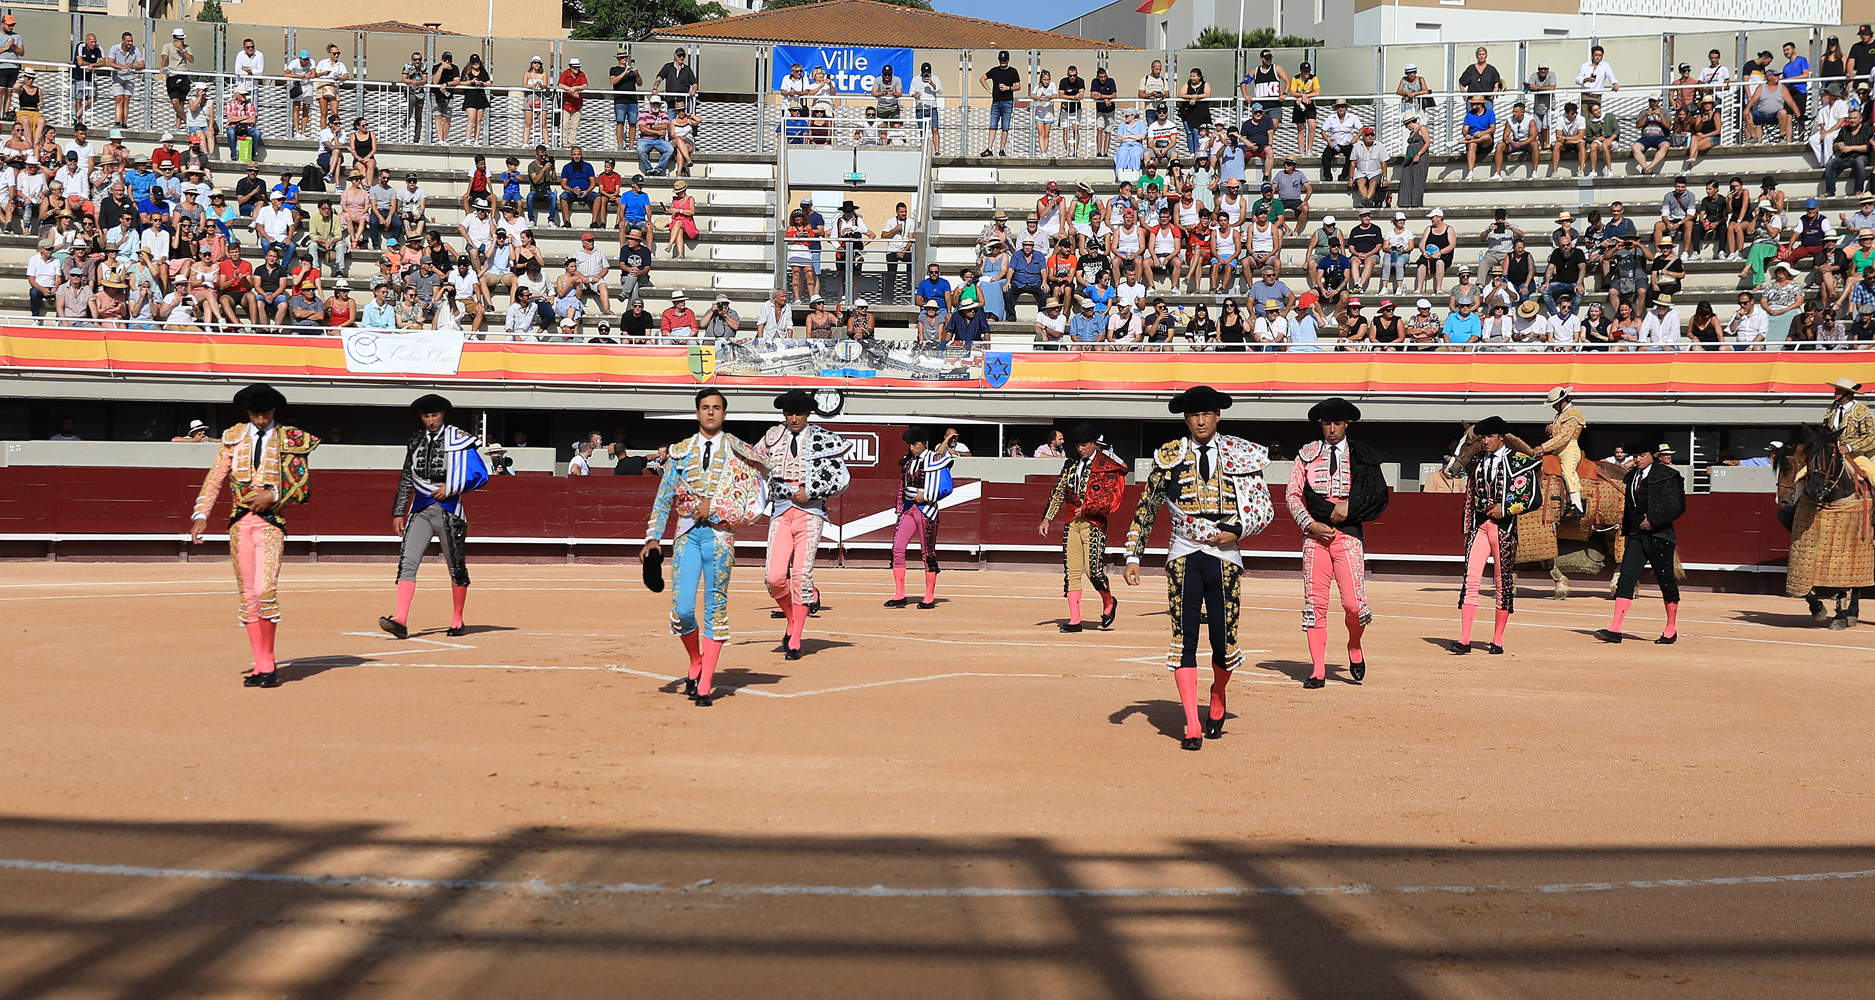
(1728, 528)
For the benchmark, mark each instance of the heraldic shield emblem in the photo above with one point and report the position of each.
(703, 362)
(996, 368)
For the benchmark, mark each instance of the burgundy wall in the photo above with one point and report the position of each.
(1737, 528)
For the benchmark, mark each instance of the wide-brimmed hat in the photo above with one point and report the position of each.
(1334, 408)
(1528, 310)
(1845, 385)
(1490, 425)
(1199, 399)
(1561, 393)
(795, 401)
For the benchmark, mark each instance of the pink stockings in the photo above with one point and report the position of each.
(1338, 561)
(254, 547)
(1469, 613)
(1187, 680)
(407, 590)
(1622, 604)
(898, 585)
(1074, 607)
(260, 637)
(703, 656)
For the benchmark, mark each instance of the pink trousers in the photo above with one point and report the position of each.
(793, 539)
(254, 546)
(1339, 561)
(1484, 545)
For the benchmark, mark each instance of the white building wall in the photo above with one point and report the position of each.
(1419, 25)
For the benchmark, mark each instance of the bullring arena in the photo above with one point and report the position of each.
(353, 786)
(952, 803)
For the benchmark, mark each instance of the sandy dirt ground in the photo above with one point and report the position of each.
(955, 803)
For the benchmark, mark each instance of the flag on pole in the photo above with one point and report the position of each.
(1156, 6)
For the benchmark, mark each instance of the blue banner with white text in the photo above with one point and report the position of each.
(851, 70)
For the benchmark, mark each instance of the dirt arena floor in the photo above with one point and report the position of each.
(956, 803)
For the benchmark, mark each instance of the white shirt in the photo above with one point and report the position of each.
(1827, 116)
(1747, 329)
(480, 231)
(579, 466)
(928, 92)
(246, 66)
(1565, 329)
(77, 182)
(273, 222)
(1341, 129)
(520, 318)
(1658, 329)
(88, 152)
(330, 70)
(1717, 76)
(1595, 77)
(1130, 294)
(464, 284)
(900, 240)
(591, 262)
(773, 323)
(43, 272)
(792, 84)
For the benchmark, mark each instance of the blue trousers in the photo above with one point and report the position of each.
(702, 560)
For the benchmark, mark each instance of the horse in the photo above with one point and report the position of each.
(1550, 536)
(1832, 536)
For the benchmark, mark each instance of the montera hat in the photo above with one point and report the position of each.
(1199, 399)
(1334, 408)
(1083, 433)
(430, 403)
(1490, 425)
(1641, 446)
(654, 571)
(795, 401)
(916, 435)
(259, 398)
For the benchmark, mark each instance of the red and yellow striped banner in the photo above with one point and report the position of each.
(1436, 373)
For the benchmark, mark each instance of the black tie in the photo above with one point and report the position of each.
(794, 445)
(260, 441)
(706, 455)
(1204, 462)
(1334, 463)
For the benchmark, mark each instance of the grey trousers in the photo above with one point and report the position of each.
(451, 529)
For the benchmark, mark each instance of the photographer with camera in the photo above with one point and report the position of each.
(721, 322)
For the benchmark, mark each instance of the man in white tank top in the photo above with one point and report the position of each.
(1520, 139)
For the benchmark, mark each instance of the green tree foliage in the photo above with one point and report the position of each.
(1215, 37)
(211, 12)
(628, 20)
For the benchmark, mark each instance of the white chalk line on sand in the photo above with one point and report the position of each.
(614, 668)
(545, 887)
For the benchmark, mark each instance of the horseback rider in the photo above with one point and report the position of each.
(1854, 425)
(1565, 433)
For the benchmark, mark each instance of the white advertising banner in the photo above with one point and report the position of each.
(412, 352)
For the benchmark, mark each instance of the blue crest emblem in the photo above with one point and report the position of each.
(996, 368)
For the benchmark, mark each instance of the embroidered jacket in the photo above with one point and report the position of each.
(1502, 477)
(1088, 488)
(1566, 428)
(1857, 425)
(817, 462)
(1235, 498)
(1314, 490)
(919, 477)
(429, 460)
(281, 469)
(732, 486)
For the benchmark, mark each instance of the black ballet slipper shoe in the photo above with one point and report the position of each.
(898, 602)
(252, 680)
(1315, 682)
(813, 606)
(777, 613)
(1213, 728)
(1495, 650)
(1460, 648)
(690, 687)
(1358, 671)
(397, 629)
(1191, 743)
(926, 605)
(1667, 640)
(1107, 617)
(270, 679)
(793, 653)
(704, 701)
(1071, 627)
(1608, 635)
(456, 630)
